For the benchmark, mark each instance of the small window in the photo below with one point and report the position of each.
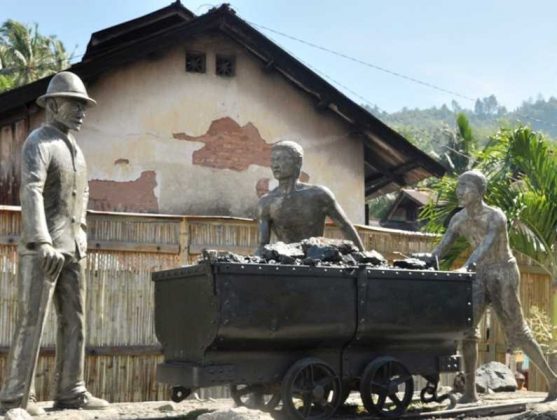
(225, 65)
(195, 62)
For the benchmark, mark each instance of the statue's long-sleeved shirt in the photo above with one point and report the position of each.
(54, 192)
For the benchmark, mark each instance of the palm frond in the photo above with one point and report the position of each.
(27, 55)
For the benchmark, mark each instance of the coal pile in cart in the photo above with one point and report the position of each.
(322, 252)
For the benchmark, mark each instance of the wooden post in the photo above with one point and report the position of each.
(184, 241)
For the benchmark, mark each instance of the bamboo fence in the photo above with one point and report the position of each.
(122, 349)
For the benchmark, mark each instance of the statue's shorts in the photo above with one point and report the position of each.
(497, 284)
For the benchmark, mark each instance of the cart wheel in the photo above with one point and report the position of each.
(179, 393)
(386, 387)
(310, 390)
(256, 396)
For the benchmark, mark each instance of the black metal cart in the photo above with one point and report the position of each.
(307, 336)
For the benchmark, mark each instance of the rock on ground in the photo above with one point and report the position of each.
(495, 376)
(17, 414)
(168, 407)
(240, 413)
(546, 411)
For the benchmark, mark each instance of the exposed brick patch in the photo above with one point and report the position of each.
(230, 146)
(134, 196)
(122, 161)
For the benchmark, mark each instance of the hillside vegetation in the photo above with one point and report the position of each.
(453, 134)
(433, 128)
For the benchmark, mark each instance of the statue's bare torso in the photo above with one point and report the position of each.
(294, 210)
(486, 231)
(299, 214)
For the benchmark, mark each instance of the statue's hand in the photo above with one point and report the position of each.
(467, 268)
(52, 259)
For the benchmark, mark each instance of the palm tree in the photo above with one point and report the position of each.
(27, 55)
(460, 147)
(521, 168)
(6, 82)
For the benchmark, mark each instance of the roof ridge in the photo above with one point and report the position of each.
(103, 38)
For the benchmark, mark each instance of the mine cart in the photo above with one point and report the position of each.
(307, 336)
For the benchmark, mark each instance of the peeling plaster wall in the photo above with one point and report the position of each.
(155, 118)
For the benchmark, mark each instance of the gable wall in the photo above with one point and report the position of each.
(164, 140)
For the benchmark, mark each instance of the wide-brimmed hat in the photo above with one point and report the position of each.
(66, 84)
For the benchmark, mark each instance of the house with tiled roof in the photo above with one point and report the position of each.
(188, 107)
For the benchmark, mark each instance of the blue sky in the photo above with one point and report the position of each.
(476, 47)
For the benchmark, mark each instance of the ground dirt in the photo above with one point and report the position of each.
(192, 408)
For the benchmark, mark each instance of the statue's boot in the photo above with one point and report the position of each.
(34, 410)
(84, 401)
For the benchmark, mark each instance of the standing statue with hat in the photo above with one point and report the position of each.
(51, 264)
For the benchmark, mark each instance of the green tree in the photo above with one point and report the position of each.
(26, 55)
(6, 82)
(521, 169)
(460, 146)
(379, 206)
